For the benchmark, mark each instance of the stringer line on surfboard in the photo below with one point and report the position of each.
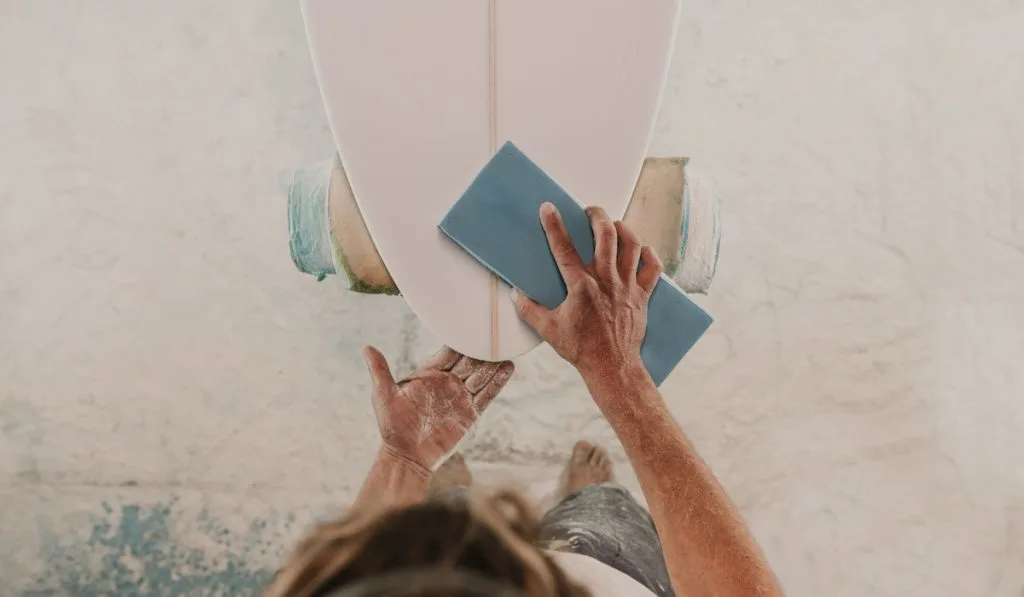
(492, 31)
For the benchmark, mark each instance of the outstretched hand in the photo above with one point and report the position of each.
(424, 416)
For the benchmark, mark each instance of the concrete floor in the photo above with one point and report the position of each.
(177, 403)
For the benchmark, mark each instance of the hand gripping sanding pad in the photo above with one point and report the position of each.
(497, 221)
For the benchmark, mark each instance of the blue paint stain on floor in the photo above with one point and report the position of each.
(134, 550)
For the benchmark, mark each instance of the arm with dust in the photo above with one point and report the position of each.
(708, 549)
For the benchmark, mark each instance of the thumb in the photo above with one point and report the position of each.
(536, 316)
(380, 372)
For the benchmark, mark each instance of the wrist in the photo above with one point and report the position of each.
(397, 459)
(617, 379)
(624, 392)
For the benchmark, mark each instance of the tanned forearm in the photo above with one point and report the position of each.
(393, 480)
(708, 549)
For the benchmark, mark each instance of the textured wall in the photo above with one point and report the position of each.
(177, 402)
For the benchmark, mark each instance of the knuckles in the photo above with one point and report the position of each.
(589, 286)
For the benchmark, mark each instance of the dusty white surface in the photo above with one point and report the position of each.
(861, 395)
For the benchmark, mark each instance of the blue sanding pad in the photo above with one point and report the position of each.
(497, 221)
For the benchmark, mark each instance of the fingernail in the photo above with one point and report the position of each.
(547, 208)
(514, 293)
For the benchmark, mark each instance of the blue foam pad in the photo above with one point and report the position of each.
(497, 221)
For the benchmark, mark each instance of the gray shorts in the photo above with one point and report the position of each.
(606, 523)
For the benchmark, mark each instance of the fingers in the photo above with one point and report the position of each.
(629, 251)
(536, 316)
(605, 240)
(475, 373)
(562, 249)
(465, 367)
(380, 372)
(648, 276)
(481, 373)
(493, 386)
(443, 360)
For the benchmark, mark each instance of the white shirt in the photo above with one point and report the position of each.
(600, 578)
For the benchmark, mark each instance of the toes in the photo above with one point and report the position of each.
(600, 463)
(585, 453)
(589, 464)
(581, 452)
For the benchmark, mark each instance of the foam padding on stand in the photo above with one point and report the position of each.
(327, 234)
(309, 233)
(701, 231)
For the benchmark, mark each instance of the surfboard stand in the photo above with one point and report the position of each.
(674, 208)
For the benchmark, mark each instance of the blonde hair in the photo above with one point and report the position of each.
(493, 537)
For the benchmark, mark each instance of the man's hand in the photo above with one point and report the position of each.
(602, 322)
(423, 416)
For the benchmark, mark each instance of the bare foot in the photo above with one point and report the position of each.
(588, 465)
(453, 473)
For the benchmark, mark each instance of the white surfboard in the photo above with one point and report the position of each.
(420, 95)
